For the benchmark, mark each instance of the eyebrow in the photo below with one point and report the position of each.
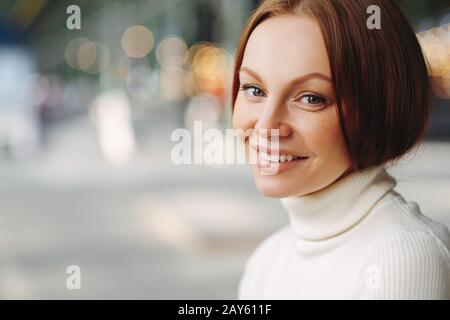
(298, 80)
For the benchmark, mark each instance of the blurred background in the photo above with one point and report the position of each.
(86, 117)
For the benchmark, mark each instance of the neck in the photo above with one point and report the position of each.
(339, 206)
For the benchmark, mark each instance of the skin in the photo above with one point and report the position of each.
(280, 50)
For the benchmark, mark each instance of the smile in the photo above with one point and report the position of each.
(278, 158)
(274, 164)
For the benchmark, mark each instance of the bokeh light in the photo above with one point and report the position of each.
(172, 82)
(171, 51)
(72, 49)
(436, 47)
(137, 41)
(209, 67)
(86, 55)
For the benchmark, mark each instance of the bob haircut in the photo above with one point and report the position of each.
(380, 76)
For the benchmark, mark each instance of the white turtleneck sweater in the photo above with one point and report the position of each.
(355, 239)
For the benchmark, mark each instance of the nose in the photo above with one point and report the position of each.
(271, 124)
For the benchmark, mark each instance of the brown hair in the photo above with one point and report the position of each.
(379, 76)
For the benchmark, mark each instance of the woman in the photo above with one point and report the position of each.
(341, 101)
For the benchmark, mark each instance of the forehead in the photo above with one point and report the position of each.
(287, 47)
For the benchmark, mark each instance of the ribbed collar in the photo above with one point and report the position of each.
(338, 207)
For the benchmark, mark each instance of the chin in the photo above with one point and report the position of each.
(274, 189)
(273, 193)
(276, 186)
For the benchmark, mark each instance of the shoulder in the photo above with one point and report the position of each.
(411, 264)
(408, 255)
(412, 248)
(401, 221)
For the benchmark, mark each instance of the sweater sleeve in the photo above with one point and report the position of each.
(249, 286)
(406, 265)
(252, 282)
(244, 283)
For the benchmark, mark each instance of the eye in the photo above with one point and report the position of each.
(253, 91)
(312, 99)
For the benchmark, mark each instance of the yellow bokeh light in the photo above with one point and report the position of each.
(435, 44)
(209, 65)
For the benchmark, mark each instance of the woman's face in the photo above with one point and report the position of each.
(285, 84)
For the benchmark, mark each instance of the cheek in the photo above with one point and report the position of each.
(242, 117)
(322, 134)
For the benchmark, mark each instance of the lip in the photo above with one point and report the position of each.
(273, 168)
(270, 151)
(268, 168)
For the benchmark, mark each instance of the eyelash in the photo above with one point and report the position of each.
(302, 95)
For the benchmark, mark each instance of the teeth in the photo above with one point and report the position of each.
(274, 158)
(277, 158)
